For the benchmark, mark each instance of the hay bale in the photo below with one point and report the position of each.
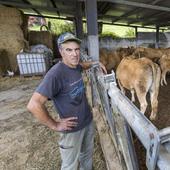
(11, 34)
(41, 37)
(10, 16)
(24, 26)
(4, 62)
(9, 12)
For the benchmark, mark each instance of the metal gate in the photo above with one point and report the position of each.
(123, 116)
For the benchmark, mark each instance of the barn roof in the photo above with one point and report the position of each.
(142, 13)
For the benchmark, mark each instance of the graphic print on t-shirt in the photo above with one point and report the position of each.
(77, 91)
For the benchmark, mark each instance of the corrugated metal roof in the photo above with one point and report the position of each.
(145, 13)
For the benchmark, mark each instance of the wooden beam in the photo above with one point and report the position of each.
(106, 142)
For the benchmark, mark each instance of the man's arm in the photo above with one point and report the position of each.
(88, 64)
(37, 107)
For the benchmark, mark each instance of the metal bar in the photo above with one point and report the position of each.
(120, 132)
(157, 37)
(133, 11)
(143, 128)
(79, 20)
(55, 6)
(147, 19)
(46, 16)
(27, 2)
(136, 35)
(27, 6)
(138, 4)
(135, 120)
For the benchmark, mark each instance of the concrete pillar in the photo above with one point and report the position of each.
(92, 29)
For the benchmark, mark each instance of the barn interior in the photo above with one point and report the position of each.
(16, 38)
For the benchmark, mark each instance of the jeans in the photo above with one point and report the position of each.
(76, 149)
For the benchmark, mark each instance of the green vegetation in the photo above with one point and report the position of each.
(34, 28)
(109, 34)
(61, 26)
(117, 30)
(130, 33)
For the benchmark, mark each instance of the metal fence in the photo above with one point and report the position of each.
(123, 116)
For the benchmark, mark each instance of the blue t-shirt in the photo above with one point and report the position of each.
(64, 85)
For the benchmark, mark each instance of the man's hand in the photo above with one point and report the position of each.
(103, 67)
(65, 124)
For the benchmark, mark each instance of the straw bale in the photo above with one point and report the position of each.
(9, 32)
(4, 62)
(41, 37)
(10, 16)
(13, 50)
(9, 12)
(24, 26)
(10, 21)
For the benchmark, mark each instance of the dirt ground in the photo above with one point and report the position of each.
(25, 144)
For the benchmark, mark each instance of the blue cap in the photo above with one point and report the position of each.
(67, 37)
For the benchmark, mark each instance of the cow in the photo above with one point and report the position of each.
(165, 67)
(140, 75)
(123, 52)
(109, 58)
(151, 53)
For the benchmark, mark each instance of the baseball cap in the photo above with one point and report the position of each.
(67, 37)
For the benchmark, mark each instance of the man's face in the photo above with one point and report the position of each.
(70, 52)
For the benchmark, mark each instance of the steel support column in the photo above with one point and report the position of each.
(136, 35)
(78, 20)
(92, 29)
(157, 38)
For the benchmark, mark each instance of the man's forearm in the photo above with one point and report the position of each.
(41, 113)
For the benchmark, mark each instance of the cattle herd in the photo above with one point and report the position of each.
(140, 70)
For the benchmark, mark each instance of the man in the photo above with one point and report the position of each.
(63, 84)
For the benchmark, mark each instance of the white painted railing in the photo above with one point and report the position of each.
(121, 114)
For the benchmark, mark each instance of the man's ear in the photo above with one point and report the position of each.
(60, 50)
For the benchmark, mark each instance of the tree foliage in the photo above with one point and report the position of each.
(61, 26)
(109, 34)
(130, 33)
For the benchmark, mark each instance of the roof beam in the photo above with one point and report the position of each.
(55, 6)
(28, 6)
(156, 1)
(146, 19)
(103, 8)
(27, 2)
(137, 4)
(133, 11)
(154, 20)
(52, 17)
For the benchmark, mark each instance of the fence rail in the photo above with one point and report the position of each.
(122, 115)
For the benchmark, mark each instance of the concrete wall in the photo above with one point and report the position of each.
(145, 39)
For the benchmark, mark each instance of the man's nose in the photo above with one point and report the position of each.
(74, 52)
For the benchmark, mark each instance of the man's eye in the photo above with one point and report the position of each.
(77, 49)
(69, 50)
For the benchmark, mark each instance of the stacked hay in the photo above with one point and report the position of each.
(41, 37)
(4, 62)
(11, 35)
(24, 26)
